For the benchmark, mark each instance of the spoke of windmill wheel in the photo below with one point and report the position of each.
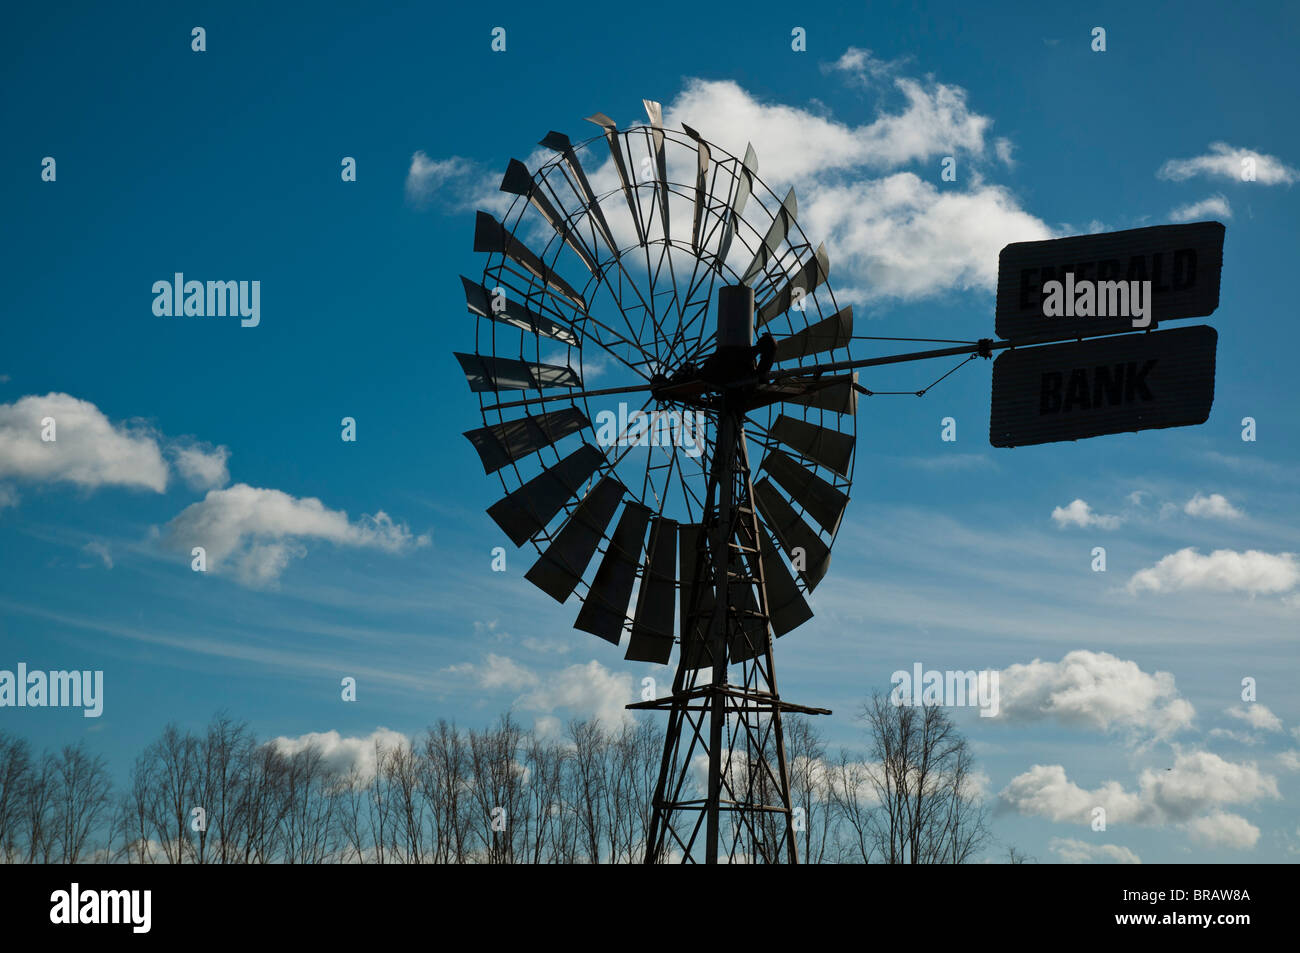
(579, 395)
(700, 304)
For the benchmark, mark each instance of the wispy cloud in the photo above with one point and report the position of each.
(1215, 206)
(1228, 162)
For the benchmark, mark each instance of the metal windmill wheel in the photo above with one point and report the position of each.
(621, 389)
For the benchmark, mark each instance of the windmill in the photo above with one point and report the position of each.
(698, 521)
(650, 280)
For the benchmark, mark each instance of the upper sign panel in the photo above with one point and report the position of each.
(1181, 262)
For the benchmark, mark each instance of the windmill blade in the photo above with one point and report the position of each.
(518, 181)
(828, 447)
(808, 554)
(819, 499)
(656, 114)
(525, 512)
(481, 301)
(841, 397)
(559, 569)
(701, 185)
(491, 236)
(826, 335)
(652, 627)
(501, 444)
(694, 627)
(744, 187)
(780, 227)
(616, 150)
(560, 143)
(502, 373)
(786, 607)
(810, 277)
(605, 608)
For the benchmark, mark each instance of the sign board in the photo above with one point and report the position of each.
(1181, 262)
(1105, 385)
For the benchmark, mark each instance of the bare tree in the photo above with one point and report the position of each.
(82, 800)
(928, 809)
(496, 785)
(15, 774)
(446, 787)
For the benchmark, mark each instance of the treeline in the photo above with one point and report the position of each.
(500, 795)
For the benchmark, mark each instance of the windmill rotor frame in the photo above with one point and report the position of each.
(664, 355)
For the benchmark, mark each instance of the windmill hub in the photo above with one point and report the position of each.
(733, 374)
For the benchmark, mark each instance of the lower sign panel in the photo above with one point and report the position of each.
(1108, 385)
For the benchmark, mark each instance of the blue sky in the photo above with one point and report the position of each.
(225, 165)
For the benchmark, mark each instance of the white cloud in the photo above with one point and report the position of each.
(1071, 851)
(1045, 791)
(794, 145)
(584, 689)
(863, 68)
(497, 672)
(892, 232)
(1214, 506)
(1224, 570)
(1221, 829)
(1289, 760)
(343, 754)
(901, 237)
(1003, 147)
(8, 496)
(456, 183)
(100, 551)
(1214, 206)
(202, 466)
(581, 690)
(1094, 690)
(1257, 716)
(88, 451)
(256, 532)
(1198, 783)
(1225, 161)
(1079, 513)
